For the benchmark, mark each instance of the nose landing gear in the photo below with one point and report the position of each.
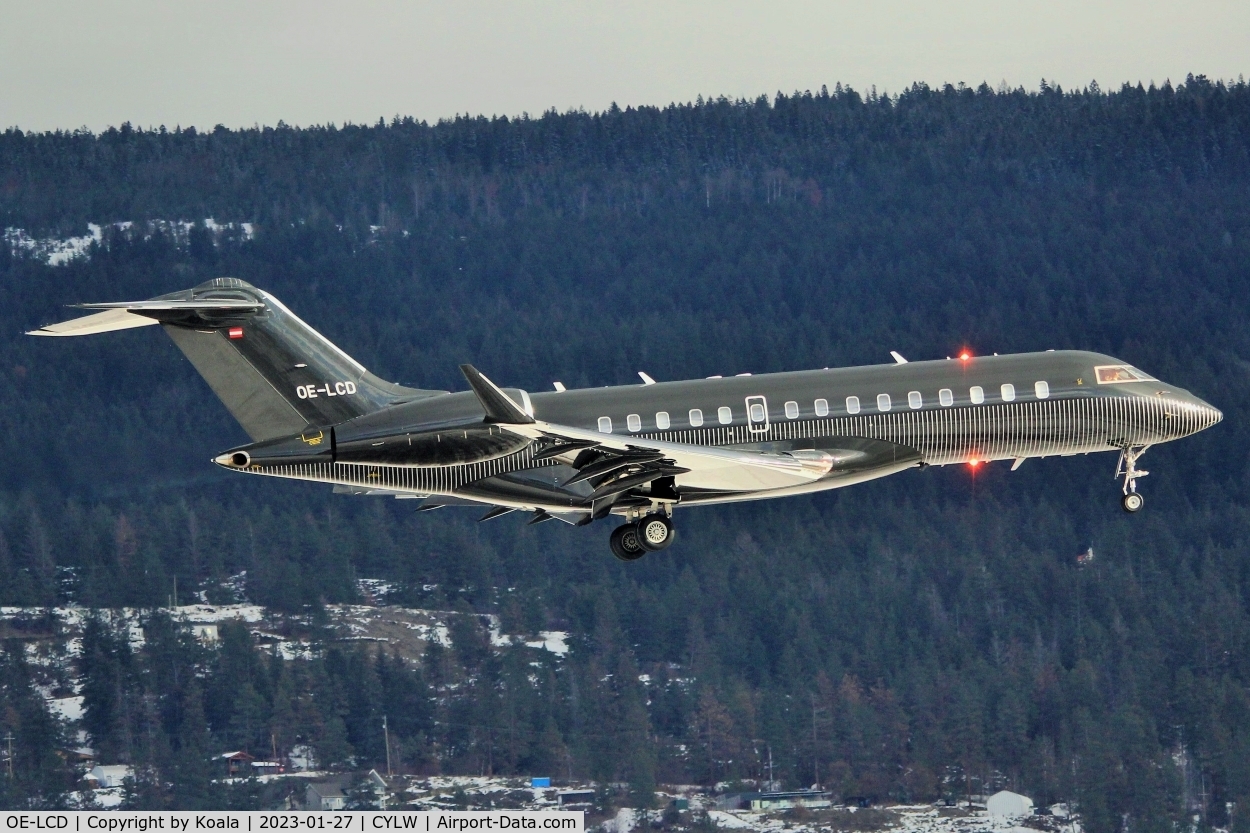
(1126, 467)
(631, 541)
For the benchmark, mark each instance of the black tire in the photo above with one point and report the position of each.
(624, 543)
(655, 532)
(1132, 502)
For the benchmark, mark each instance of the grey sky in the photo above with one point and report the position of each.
(71, 64)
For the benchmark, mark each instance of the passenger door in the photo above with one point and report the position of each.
(757, 414)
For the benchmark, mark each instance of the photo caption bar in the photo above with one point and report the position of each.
(179, 821)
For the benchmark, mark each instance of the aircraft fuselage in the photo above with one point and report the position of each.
(872, 420)
(315, 413)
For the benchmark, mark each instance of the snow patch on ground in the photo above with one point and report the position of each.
(554, 641)
(59, 251)
(67, 708)
(921, 818)
(728, 820)
(625, 821)
(205, 614)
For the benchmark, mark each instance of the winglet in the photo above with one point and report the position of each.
(498, 405)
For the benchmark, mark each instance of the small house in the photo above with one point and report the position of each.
(107, 777)
(238, 764)
(268, 768)
(766, 802)
(206, 634)
(327, 793)
(575, 798)
(332, 793)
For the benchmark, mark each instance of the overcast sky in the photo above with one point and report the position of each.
(71, 64)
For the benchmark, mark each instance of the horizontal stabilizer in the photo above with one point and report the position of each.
(498, 405)
(122, 315)
(159, 305)
(101, 322)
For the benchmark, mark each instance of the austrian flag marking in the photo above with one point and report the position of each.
(236, 332)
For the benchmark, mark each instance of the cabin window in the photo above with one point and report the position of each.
(1041, 390)
(696, 417)
(852, 404)
(724, 415)
(947, 397)
(822, 407)
(792, 410)
(976, 394)
(915, 400)
(883, 402)
(757, 412)
(633, 422)
(605, 425)
(661, 420)
(1009, 392)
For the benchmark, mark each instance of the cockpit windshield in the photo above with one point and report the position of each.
(1111, 374)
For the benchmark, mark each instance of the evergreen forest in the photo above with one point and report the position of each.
(925, 636)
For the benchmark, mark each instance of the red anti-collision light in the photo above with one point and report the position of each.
(236, 332)
(964, 356)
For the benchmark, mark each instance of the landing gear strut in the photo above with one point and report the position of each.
(1126, 467)
(631, 541)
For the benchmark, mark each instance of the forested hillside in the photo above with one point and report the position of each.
(927, 635)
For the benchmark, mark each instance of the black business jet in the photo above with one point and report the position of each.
(639, 451)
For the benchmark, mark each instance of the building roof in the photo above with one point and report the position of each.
(332, 787)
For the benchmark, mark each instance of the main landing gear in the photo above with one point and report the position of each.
(631, 541)
(1126, 467)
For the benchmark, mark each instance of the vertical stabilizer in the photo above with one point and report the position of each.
(274, 373)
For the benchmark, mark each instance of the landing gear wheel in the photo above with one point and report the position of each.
(655, 532)
(624, 543)
(1132, 502)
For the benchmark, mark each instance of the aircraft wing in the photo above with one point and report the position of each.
(706, 467)
(693, 466)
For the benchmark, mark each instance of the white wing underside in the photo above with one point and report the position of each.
(710, 468)
(101, 322)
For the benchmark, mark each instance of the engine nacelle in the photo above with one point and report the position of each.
(312, 445)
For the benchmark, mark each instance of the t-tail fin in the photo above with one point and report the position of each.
(274, 373)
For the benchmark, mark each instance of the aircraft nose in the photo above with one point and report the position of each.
(1193, 414)
(1212, 414)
